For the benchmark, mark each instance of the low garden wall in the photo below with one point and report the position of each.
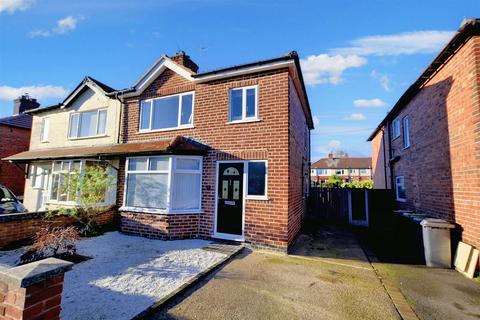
(15, 227)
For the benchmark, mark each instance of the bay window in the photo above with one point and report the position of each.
(163, 184)
(88, 124)
(169, 112)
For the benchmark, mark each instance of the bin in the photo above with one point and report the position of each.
(436, 242)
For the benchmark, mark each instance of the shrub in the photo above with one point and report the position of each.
(51, 241)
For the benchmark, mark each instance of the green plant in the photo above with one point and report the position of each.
(333, 182)
(89, 189)
(367, 184)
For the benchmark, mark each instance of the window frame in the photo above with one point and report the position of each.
(256, 197)
(397, 197)
(244, 104)
(406, 132)
(170, 178)
(179, 119)
(396, 130)
(45, 129)
(37, 177)
(79, 123)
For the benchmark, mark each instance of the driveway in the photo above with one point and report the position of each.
(327, 277)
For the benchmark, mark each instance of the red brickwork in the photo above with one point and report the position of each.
(441, 168)
(266, 221)
(24, 226)
(13, 140)
(40, 301)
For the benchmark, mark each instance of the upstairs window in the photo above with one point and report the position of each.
(395, 128)
(170, 112)
(88, 124)
(406, 133)
(45, 128)
(243, 104)
(322, 172)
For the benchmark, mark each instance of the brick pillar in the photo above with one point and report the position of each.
(33, 291)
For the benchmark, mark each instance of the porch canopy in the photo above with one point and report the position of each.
(177, 145)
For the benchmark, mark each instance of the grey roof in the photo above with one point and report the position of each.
(20, 121)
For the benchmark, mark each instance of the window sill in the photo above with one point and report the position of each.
(158, 211)
(89, 137)
(263, 198)
(44, 141)
(401, 200)
(167, 129)
(244, 121)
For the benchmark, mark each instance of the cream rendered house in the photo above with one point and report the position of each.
(66, 138)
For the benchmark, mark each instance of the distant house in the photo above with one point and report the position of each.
(15, 138)
(348, 169)
(426, 148)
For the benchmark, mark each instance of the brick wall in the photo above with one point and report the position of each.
(13, 140)
(14, 228)
(441, 167)
(266, 221)
(380, 161)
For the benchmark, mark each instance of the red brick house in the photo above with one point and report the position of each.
(426, 147)
(235, 160)
(347, 168)
(15, 138)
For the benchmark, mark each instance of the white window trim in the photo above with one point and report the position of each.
(397, 197)
(256, 197)
(244, 105)
(396, 133)
(171, 172)
(406, 132)
(37, 179)
(73, 203)
(77, 129)
(179, 125)
(45, 129)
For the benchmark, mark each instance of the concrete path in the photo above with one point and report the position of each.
(327, 277)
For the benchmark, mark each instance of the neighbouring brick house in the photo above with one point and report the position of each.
(15, 138)
(247, 177)
(427, 146)
(347, 168)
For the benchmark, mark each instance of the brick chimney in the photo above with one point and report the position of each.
(330, 156)
(24, 103)
(183, 59)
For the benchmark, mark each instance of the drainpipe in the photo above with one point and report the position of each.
(389, 156)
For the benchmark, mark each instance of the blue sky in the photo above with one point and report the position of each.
(358, 57)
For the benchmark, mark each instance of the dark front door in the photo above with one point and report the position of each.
(230, 198)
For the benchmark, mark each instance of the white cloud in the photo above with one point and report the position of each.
(335, 144)
(64, 26)
(369, 103)
(325, 68)
(8, 93)
(356, 117)
(316, 120)
(383, 79)
(405, 43)
(11, 6)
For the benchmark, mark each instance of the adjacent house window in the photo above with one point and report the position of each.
(63, 171)
(400, 188)
(45, 128)
(88, 124)
(338, 171)
(322, 172)
(363, 171)
(257, 179)
(37, 177)
(243, 104)
(395, 128)
(351, 171)
(406, 133)
(170, 112)
(164, 183)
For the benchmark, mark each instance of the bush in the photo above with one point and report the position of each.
(51, 241)
(335, 182)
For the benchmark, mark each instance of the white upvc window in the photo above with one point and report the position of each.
(163, 184)
(257, 173)
(395, 128)
(62, 171)
(88, 124)
(37, 177)
(322, 172)
(167, 113)
(243, 104)
(406, 132)
(400, 188)
(45, 129)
